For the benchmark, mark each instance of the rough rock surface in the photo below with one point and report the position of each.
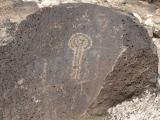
(144, 108)
(67, 61)
(16, 11)
(12, 12)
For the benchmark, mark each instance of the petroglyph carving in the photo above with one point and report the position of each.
(43, 76)
(79, 43)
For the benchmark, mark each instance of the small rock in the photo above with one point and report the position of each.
(150, 1)
(157, 11)
(138, 17)
(6, 31)
(156, 34)
(150, 31)
(11, 3)
(149, 22)
(117, 1)
(17, 12)
(156, 19)
(156, 42)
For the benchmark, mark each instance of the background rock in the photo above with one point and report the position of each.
(51, 75)
(12, 12)
(148, 102)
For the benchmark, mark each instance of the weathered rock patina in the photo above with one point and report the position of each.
(74, 59)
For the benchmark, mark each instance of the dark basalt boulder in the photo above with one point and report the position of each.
(74, 59)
